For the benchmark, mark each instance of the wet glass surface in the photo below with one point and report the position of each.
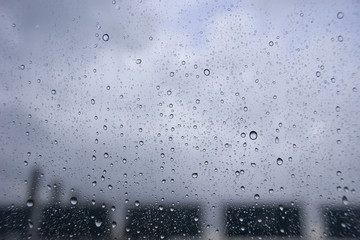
(179, 120)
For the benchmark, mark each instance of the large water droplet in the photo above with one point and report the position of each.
(253, 135)
(73, 200)
(105, 37)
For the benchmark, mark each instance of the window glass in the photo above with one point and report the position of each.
(198, 119)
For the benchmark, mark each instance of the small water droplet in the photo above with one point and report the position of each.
(271, 43)
(279, 161)
(30, 203)
(98, 222)
(340, 15)
(168, 92)
(53, 92)
(94, 183)
(110, 187)
(276, 140)
(257, 196)
(194, 175)
(106, 155)
(345, 200)
(253, 135)
(113, 224)
(137, 203)
(92, 101)
(138, 61)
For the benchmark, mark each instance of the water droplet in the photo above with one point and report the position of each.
(253, 135)
(138, 61)
(196, 219)
(207, 72)
(73, 200)
(227, 145)
(279, 161)
(257, 196)
(113, 224)
(168, 92)
(194, 175)
(110, 187)
(243, 135)
(271, 190)
(93, 157)
(137, 203)
(92, 101)
(106, 155)
(237, 173)
(345, 200)
(105, 37)
(172, 74)
(162, 155)
(94, 183)
(340, 15)
(271, 43)
(53, 92)
(98, 222)
(340, 38)
(337, 108)
(22, 67)
(338, 173)
(276, 140)
(30, 203)
(318, 74)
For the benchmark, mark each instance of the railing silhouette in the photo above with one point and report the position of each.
(152, 221)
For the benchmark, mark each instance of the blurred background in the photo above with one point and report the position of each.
(179, 120)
